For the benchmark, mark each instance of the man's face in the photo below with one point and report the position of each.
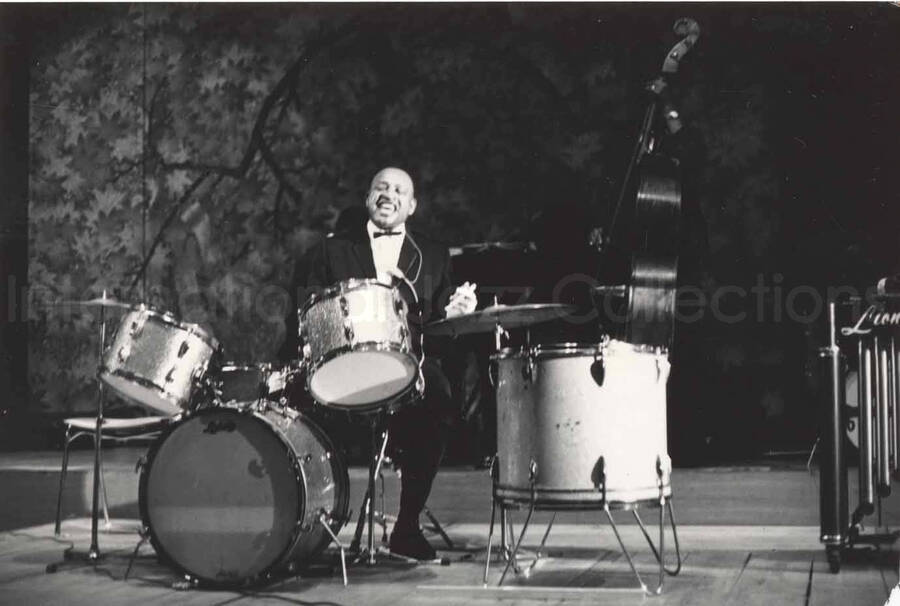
(390, 200)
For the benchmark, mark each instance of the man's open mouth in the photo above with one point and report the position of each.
(385, 204)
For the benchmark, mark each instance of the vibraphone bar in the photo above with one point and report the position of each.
(871, 342)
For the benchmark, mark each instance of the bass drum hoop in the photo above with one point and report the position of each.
(282, 558)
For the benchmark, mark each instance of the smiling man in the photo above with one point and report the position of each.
(384, 249)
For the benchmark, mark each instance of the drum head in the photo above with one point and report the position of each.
(133, 388)
(362, 378)
(221, 496)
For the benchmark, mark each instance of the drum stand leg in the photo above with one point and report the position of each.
(145, 535)
(487, 555)
(511, 559)
(665, 504)
(323, 520)
(612, 523)
(503, 551)
(436, 527)
(367, 509)
(656, 554)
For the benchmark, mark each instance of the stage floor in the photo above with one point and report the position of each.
(748, 535)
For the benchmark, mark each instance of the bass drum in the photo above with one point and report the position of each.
(230, 496)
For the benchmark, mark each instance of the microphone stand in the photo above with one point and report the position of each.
(93, 554)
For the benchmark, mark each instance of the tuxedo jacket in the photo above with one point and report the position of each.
(348, 255)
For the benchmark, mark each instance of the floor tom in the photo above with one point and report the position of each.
(570, 415)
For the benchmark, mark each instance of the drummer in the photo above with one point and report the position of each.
(383, 248)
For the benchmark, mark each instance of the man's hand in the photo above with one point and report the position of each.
(462, 301)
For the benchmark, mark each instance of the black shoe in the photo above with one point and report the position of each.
(412, 544)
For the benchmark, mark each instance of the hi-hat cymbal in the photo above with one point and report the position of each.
(96, 302)
(507, 316)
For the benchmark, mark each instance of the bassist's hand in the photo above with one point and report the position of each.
(596, 239)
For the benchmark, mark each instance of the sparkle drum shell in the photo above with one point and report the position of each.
(236, 384)
(231, 496)
(157, 361)
(357, 346)
(573, 413)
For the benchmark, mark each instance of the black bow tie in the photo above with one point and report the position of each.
(378, 234)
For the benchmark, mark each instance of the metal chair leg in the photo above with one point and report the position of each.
(62, 481)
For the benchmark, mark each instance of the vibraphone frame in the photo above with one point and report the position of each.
(876, 352)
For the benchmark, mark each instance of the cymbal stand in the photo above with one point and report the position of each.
(93, 554)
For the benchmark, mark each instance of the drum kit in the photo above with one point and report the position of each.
(240, 486)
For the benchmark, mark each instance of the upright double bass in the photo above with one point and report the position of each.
(653, 242)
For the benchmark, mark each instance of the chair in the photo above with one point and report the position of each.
(118, 430)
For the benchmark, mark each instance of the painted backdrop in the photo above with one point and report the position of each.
(186, 155)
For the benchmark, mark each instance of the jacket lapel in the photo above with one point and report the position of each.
(409, 262)
(362, 250)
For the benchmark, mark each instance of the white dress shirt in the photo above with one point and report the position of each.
(385, 249)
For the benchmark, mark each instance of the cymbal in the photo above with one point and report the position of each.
(508, 316)
(480, 247)
(97, 302)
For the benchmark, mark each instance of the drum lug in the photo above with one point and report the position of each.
(124, 353)
(530, 368)
(137, 326)
(345, 306)
(532, 471)
(348, 331)
(598, 371)
(171, 374)
(400, 306)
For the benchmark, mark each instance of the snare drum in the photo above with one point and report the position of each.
(570, 415)
(357, 346)
(157, 361)
(235, 384)
(232, 496)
